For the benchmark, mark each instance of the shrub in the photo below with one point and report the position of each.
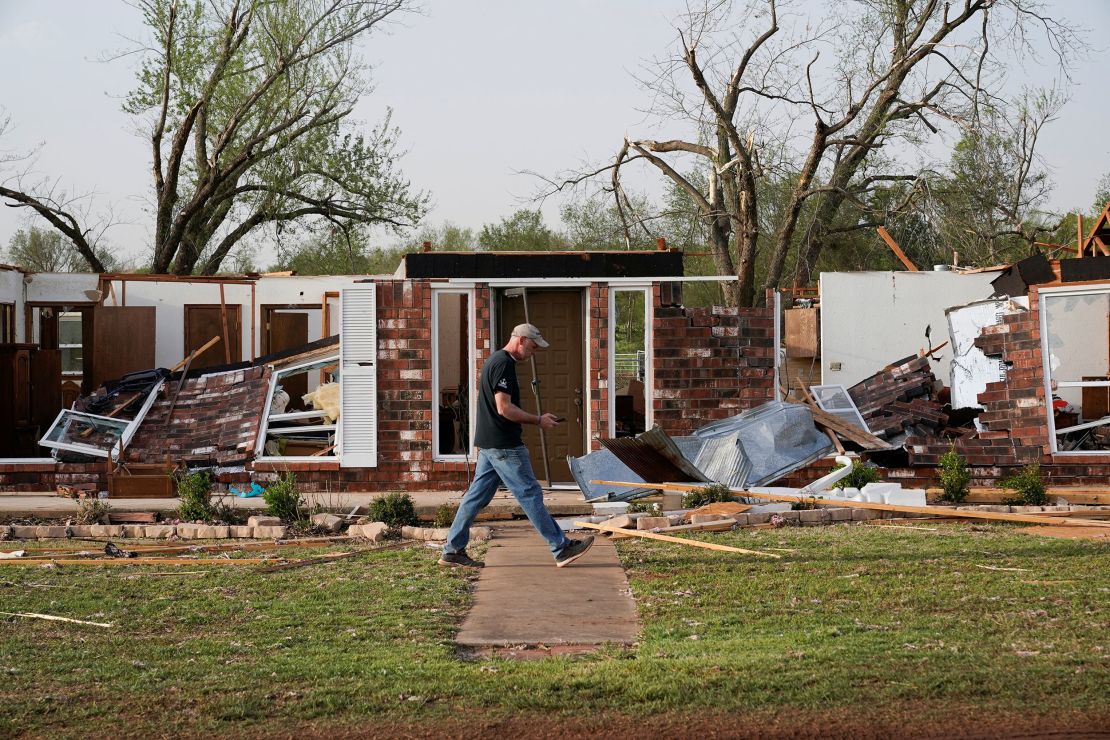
(711, 494)
(860, 476)
(445, 516)
(1028, 487)
(955, 477)
(395, 509)
(282, 498)
(644, 507)
(91, 510)
(195, 492)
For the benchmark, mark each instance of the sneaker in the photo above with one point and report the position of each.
(574, 550)
(459, 560)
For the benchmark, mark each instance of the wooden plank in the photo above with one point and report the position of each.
(721, 525)
(726, 508)
(808, 398)
(137, 561)
(675, 540)
(1074, 495)
(851, 433)
(331, 557)
(52, 618)
(988, 515)
(897, 250)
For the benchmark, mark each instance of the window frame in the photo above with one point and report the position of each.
(264, 429)
(471, 321)
(649, 354)
(1042, 309)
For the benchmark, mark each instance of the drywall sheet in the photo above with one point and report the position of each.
(870, 319)
(970, 369)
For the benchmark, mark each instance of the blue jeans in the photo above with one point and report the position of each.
(513, 468)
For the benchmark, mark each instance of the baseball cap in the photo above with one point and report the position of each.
(530, 331)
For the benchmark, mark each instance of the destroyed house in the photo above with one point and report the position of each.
(359, 382)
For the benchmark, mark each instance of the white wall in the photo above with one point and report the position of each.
(61, 287)
(11, 291)
(870, 319)
(169, 297)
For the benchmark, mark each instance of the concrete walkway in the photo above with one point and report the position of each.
(522, 598)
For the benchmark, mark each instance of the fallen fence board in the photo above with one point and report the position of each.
(960, 513)
(137, 561)
(1087, 496)
(676, 540)
(853, 434)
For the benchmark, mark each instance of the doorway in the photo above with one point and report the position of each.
(560, 370)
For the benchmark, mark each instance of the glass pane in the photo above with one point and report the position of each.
(1078, 342)
(72, 360)
(69, 328)
(629, 362)
(75, 428)
(452, 360)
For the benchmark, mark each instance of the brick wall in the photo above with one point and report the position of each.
(710, 363)
(599, 364)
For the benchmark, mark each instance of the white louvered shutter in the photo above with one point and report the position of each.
(358, 391)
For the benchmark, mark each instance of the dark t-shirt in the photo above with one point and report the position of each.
(494, 431)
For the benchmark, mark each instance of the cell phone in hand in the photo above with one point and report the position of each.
(560, 419)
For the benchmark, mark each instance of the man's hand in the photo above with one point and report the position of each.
(548, 421)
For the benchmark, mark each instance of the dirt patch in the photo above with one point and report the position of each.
(902, 722)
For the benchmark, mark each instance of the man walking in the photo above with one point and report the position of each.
(503, 459)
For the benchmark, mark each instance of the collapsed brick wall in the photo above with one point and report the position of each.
(710, 363)
(215, 420)
(897, 396)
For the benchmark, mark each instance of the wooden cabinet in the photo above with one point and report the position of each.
(30, 397)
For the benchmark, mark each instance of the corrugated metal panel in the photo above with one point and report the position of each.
(655, 458)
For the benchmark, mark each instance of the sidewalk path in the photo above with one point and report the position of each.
(522, 598)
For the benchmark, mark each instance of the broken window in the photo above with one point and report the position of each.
(1075, 332)
(452, 374)
(100, 435)
(290, 432)
(628, 338)
(835, 400)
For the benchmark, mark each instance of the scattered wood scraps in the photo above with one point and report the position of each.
(52, 618)
(676, 540)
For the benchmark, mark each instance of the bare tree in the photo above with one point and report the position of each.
(872, 74)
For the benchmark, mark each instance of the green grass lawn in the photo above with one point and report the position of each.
(876, 618)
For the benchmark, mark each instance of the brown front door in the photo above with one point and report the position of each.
(560, 370)
(204, 322)
(285, 330)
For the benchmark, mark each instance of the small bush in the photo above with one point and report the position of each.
(860, 476)
(711, 494)
(445, 516)
(1028, 487)
(395, 509)
(282, 498)
(91, 510)
(955, 477)
(195, 492)
(643, 507)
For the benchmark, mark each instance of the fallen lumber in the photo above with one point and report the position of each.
(331, 557)
(52, 618)
(137, 561)
(676, 540)
(727, 508)
(960, 513)
(866, 440)
(1089, 496)
(223, 547)
(721, 525)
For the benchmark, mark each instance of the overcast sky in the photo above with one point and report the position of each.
(481, 90)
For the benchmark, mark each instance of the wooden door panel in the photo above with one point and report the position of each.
(560, 369)
(204, 322)
(122, 342)
(285, 331)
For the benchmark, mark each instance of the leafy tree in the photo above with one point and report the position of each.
(247, 103)
(445, 236)
(40, 250)
(337, 252)
(522, 231)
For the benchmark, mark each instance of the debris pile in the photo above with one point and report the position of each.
(900, 398)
